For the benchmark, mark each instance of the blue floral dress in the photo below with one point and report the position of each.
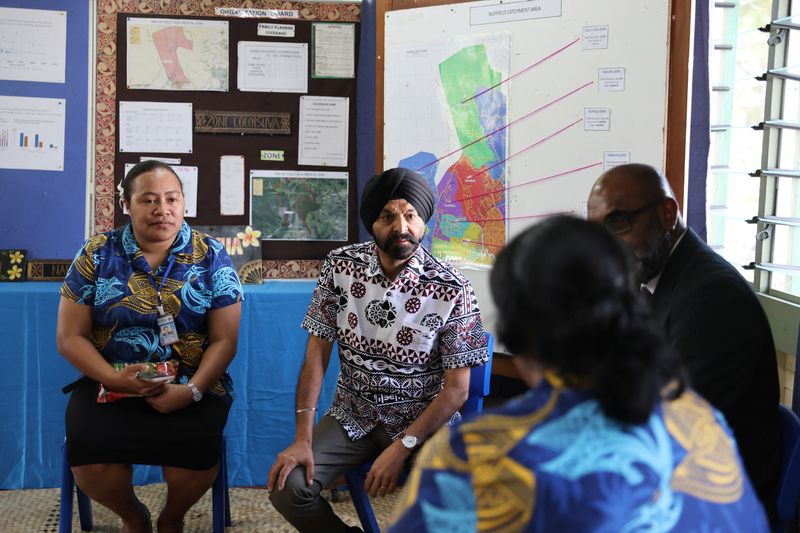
(111, 274)
(552, 461)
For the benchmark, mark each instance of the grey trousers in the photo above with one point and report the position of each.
(334, 454)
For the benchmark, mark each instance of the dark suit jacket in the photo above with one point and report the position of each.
(713, 319)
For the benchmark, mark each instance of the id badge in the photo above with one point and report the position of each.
(168, 333)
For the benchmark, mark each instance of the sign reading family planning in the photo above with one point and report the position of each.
(299, 205)
(206, 121)
(177, 54)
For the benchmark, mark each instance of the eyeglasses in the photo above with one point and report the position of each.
(619, 222)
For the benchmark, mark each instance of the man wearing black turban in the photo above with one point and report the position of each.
(408, 329)
(395, 206)
(395, 183)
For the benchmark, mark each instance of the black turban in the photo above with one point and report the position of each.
(393, 184)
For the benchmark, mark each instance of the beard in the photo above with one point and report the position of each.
(399, 251)
(651, 257)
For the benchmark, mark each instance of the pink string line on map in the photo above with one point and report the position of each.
(523, 70)
(545, 106)
(503, 219)
(540, 141)
(537, 180)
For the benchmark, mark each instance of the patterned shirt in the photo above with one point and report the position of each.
(396, 337)
(552, 461)
(111, 274)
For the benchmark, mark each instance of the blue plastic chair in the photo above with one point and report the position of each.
(789, 483)
(479, 380)
(220, 497)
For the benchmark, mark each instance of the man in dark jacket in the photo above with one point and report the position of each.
(707, 310)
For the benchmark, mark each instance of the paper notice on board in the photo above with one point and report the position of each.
(188, 177)
(231, 185)
(273, 67)
(334, 50)
(33, 45)
(275, 30)
(32, 132)
(514, 11)
(614, 159)
(155, 127)
(611, 79)
(594, 37)
(596, 119)
(323, 135)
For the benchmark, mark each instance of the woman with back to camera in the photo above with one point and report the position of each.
(607, 439)
(151, 291)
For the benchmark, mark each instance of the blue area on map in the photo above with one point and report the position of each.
(492, 111)
(452, 227)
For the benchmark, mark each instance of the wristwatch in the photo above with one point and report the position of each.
(409, 441)
(196, 394)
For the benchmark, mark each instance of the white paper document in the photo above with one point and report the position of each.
(611, 79)
(33, 45)
(188, 176)
(231, 185)
(266, 29)
(614, 159)
(273, 67)
(596, 119)
(334, 50)
(157, 127)
(514, 11)
(594, 37)
(32, 132)
(323, 134)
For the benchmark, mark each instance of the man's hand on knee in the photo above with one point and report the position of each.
(299, 453)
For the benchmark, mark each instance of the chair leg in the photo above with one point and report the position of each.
(220, 497)
(84, 510)
(355, 482)
(67, 483)
(226, 488)
(67, 487)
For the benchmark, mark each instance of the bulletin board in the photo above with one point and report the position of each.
(571, 88)
(36, 202)
(281, 258)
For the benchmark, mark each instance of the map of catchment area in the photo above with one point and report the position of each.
(459, 146)
(177, 54)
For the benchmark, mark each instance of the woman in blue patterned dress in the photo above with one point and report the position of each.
(150, 291)
(607, 439)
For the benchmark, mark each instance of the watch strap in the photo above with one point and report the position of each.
(196, 394)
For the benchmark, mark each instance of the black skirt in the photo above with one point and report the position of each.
(129, 431)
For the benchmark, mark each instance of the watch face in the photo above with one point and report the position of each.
(409, 441)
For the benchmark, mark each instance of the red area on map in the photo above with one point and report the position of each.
(471, 184)
(167, 42)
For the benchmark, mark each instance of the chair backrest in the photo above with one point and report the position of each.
(789, 484)
(479, 382)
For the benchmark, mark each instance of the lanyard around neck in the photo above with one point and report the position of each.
(161, 286)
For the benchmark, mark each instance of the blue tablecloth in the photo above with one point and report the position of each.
(265, 370)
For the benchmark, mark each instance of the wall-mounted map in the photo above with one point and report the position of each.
(177, 54)
(448, 113)
(299, 205)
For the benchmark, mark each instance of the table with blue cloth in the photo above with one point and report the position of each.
(265, 369)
